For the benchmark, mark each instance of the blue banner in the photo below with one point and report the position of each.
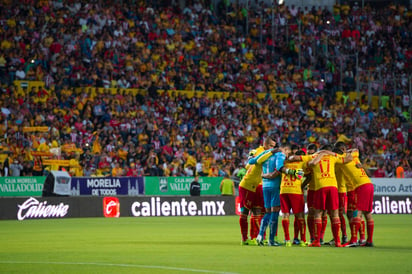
(107, 186)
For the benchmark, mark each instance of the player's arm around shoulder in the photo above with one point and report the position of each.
(318, 157)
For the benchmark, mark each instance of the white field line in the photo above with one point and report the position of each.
(120, 265)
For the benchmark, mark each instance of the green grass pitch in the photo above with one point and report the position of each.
(187, 245)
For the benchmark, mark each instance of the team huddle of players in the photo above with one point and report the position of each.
(337, 183)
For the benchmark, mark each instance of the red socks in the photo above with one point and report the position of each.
(343, 224)
(302, 229)
(254, 226)
(317, 228)
(362, 230)
(285, 224)
(243, 226)
(354, 228)
(324, 224)
(336, 230)
(371, 226)
(296, 228)
(311, 227)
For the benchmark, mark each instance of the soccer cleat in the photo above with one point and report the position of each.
(361, 242)
(274, 244)
(259, 240)
(367, 244)
(288, 244)
(296, 241)
(248, 242)
(331, 242)
(350, 244)
(303, 244)
(338, 244)
(314, 244)
(322, 242)
(344, 239)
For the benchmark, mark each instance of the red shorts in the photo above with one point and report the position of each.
(342, 201)
(326, 198)
(309, 198)
(364, 197)
(351, 200)
(296, 202)
(249, 199)
(259, 200)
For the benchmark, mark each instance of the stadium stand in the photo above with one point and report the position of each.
(131, 88)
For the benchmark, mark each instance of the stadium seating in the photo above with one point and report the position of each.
(113, 84)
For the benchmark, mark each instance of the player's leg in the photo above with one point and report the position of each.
(365, 204)
(362, 234)
(319, 204)
(317, 227)
(370, 228)
(332, 204)
(267, 197)
(258, 210)
(296, 230)
(245, 205)
(285, 207)
(311, 215)
(336, 227)
(342, 209)
(255, 221)
(298, 207)
(274, 217)
(353, 218)
(243, 222)
(285, 225)
(324, 225)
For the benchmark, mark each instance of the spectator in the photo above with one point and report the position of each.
(136, 52)
(195, 187)
(227, 186)
(379, 172)
(400, 172)
(16, 168)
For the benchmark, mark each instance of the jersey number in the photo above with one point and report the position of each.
(324, 166)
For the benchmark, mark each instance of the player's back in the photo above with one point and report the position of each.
(356, 174)
(252, 178)
(290, 183)
(324, 171)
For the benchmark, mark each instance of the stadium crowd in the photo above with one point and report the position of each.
(111, 131)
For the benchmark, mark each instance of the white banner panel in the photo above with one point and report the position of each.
(392, 186)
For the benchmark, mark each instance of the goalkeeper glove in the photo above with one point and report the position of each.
(298, 173)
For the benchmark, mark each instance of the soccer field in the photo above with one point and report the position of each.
(187, 244)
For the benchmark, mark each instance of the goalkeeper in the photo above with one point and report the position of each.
(272, 168)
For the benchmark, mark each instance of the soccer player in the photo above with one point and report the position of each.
(342, 181)
(340, 147)
(291, 197)
(311, 149)
(272, 167)
(363, 198)
(326, 195)
(248, 189)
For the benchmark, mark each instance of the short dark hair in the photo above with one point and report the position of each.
(300, 152)
(337, 150)
(326, 147)
(340, 145)
(312, 147)
(294, 146)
